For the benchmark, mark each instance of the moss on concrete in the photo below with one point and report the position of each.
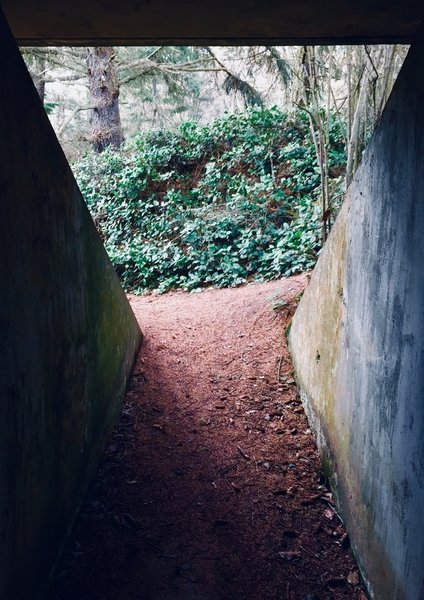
(68, 333)
(357, 346)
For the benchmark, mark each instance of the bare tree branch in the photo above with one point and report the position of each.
(71, 117)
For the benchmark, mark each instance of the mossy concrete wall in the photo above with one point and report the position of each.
(357, 342)
(67, 335)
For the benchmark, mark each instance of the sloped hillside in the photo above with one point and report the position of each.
(217, 205)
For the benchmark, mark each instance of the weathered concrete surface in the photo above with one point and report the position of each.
(67, 337)
(128, 22)
(357, 341)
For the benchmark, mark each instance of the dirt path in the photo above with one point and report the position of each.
(210, 488)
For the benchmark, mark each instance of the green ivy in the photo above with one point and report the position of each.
(218, 205)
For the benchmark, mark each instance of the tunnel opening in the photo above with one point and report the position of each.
(135, 533)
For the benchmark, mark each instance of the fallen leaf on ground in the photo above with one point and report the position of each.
(353, 577)
(289, 555)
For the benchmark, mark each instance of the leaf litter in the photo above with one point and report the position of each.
(211, 487)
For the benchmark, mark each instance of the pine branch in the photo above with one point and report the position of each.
(233, 83)
(281, 64)
(250, 96)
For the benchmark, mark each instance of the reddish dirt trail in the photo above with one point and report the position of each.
(210, 488)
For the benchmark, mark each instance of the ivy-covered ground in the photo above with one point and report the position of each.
(215, 205)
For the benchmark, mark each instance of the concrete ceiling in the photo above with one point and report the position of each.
(139, 22)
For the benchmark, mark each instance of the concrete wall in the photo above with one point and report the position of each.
(67, 337)
(357, 342)
(216, 22)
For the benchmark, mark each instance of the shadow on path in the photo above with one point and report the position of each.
(210, 487)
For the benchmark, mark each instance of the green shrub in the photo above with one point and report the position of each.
(222, 204)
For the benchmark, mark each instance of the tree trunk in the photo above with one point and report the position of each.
(36, 64)
(349, 90)
(39, 76)
(103, 85)
(354, 146)
(318, 130)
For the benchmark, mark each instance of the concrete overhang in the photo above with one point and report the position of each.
(145, 22)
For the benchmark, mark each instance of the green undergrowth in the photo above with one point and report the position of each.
(217, 205)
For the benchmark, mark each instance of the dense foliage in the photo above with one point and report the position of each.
(221, 204)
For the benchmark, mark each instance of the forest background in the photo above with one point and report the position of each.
(213, 166)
